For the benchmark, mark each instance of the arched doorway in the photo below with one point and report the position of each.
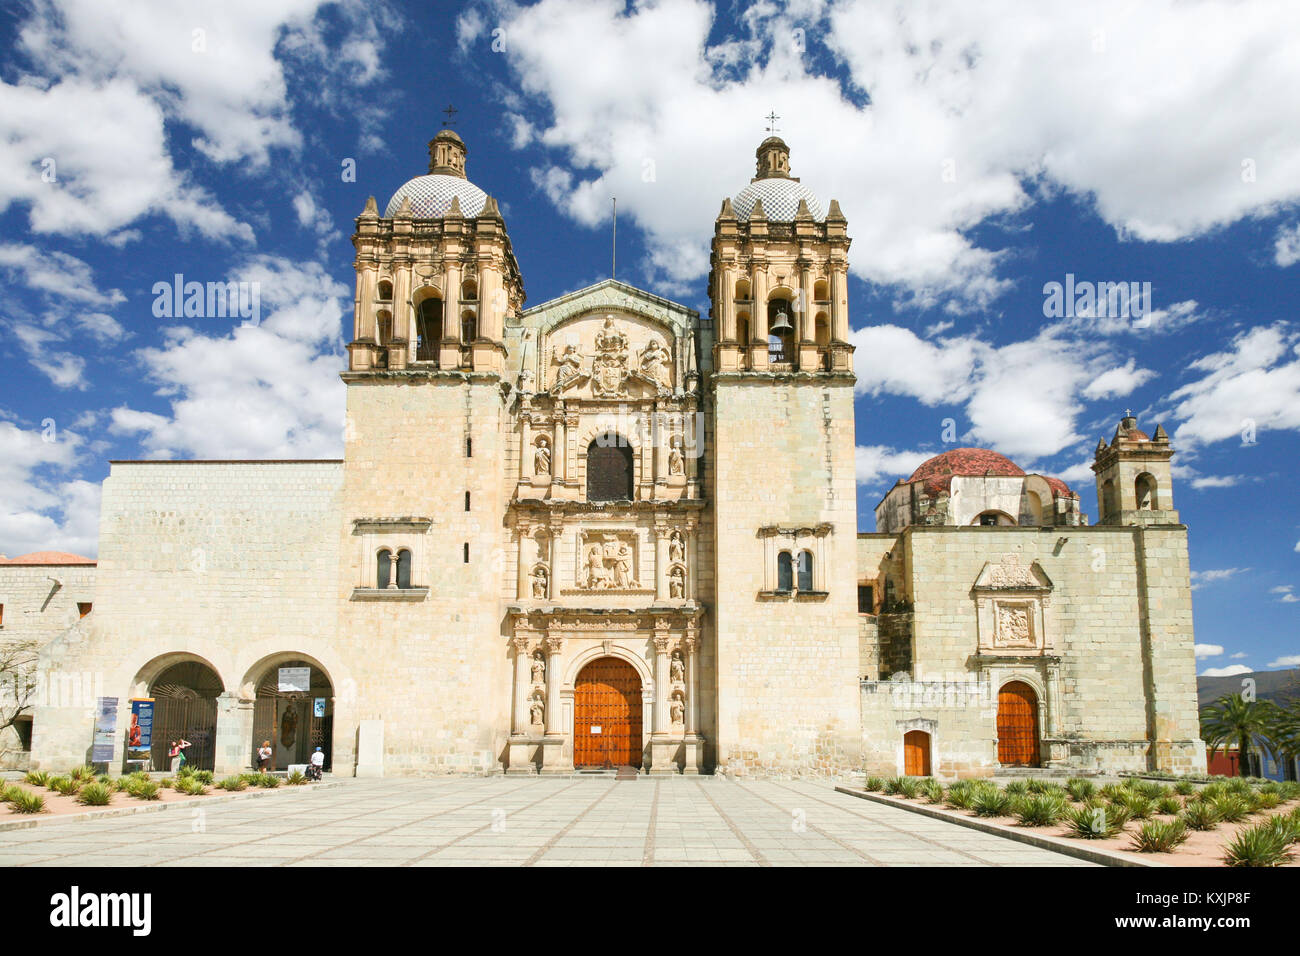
(294, 710)
(185, 706)
(1017, 725)
(607, 715)
(610, 469)
(916, 753)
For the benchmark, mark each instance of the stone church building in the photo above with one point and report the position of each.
(606, 531)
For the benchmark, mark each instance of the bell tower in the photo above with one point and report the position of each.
(782, 476)
(1134, 483)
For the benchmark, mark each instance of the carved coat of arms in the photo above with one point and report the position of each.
(609, 366)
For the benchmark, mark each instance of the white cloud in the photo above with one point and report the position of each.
(1286, 246)
(1202, 578)
(32, 516)
(880, 465)
(1230, 671)
(55, 274)
(1286, 594)
(1239, 655)
(1011, 114)
(1208, 650)
(1286, 660)
(1119, 381)
(1253, 385)
(265, 391)
(1218, 481)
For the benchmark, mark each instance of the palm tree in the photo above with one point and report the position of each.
(1283, 733)
(1233, 720)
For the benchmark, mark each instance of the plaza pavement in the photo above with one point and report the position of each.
(508, 821)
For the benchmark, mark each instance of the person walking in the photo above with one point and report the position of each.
(317, 764)
(264, 756)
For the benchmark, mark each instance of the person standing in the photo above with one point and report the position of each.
(264, 756)
(177, 754)
(317, 763)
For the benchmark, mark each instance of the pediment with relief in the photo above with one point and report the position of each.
(1009, 574)
(609, 357)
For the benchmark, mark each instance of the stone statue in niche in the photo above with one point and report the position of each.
(676, 464)
(677, 668)
(539, 668)
(623, 566)
(677, 583)
(542, 457)
(540, 581)
(526, 380)
(676, 548)
(536, 710)
(655, 364)
(677, 708)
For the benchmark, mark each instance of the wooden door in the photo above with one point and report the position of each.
(1018, 725)
(607, 715)
(916, 753)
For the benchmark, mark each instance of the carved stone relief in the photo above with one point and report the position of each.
(608, 561)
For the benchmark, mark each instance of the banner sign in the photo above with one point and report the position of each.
(139, 735)
(318, 707)
(105, 730)
(295, 679)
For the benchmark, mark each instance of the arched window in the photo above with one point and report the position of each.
(821, 330)
(430, 330)
(742, 290)
(992, 519)
(383, 327)
(468, 327)
(821, 290)
(609, 469)
(805, 571)
(742, 328)
(385, 291)
(1107, 498)
(384, 569)
(403, 568)
(469, 291)
(1145, 491)
(780, 323)
(784, 572)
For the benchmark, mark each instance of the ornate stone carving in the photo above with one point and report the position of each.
(676, 463)
(537, 709)
(541, 581)
(609, 366)
(542, 456)
(677, 708)
(677, 582)
(1013, 624)
(570, 362)
(676, 548)
(609, 562)
(539, 668)
(655, 364)
(1011, 576)
(677, 668)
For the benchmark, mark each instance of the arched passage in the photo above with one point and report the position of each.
(607, 715)
(1017, 725)
(185, 708)
(610, 469)
(293, 709)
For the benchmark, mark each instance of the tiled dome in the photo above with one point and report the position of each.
(780, 199)
(431, 196)
(47, 558)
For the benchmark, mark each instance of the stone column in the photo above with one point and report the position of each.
(366, 302)
(728, 302)
(690, 647)
(805, 312)
(524, 590)
(234, 743)
(554, 672)
(559, 449)
(661, 562)
(402, 321)
(661, 642)
(526, 448)
(522, 685)
(839, 308)
(758, 294)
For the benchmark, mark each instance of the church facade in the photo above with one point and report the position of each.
(607, 531)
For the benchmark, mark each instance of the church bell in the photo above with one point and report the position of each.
(781, 325)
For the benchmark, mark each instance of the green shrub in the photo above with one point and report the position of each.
(37, 778)
(1287, 825)
(991, 802)
(1170, 805)
(960, 794)
(233, 783)
(1231, 808)
(1138, 806)
(185, 770)
(84, 773)
(95, 794)
(1184, 788)
(270, 781)
(64, 785)
(906, 787)
(1040, 809)
(873, 784)
(1238, 785)
(1201, 815)
(1017, 788)
(27, 801)
(932, 789)
(1045, 786)
(1288, 789)
(146, 790)
(1079, 789)
(203, 776)
(1261, 845)
(1268, 800)
(1096, 822)
(1160, 836)
(192, 786)
(296, 779)
(1112, 791)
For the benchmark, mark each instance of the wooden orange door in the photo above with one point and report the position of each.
(1018, 725)
(916, 753)
(607, 715)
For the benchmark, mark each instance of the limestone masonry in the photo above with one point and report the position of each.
(605, 531)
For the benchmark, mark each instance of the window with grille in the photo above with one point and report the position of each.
(609, 469)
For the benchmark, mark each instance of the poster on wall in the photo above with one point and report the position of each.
(101, 750)
(318, 707)
(295, 679)
(139, 736)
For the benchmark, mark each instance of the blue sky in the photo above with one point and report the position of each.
(977, 153)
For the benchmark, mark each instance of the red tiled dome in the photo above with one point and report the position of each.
(48, 557)
(970, 462)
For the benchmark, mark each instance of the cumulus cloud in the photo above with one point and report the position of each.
(1230, 671)
(1202, 578)
(1286, 660)
(967, 121)
(878, 465)
(1286, 594)
(42, 506)
(1208, 650)
(1286, 246)
(255, 391)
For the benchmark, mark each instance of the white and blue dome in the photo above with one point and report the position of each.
(780, 199)
(431, 197)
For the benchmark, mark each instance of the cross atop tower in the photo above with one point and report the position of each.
(451, 111)
(771, 122)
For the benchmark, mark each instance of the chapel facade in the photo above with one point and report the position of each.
(606, 531)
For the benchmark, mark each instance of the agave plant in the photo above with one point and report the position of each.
(991, 802)
(37, 778)
(297, 779)
(1262, 845)
(933, 790)
(1040, 809)
(872, 784)
(1267, 800)
(233, 783)
(64, 785)
(27, 801)
(84, 773)
(1201, 815)
(1017, 788)
(1287, 825)
(95, 794)
(1170, 805)
(1160, 836)
(1138, 806)
(1230, 808)
(1112, 791)
(1184, 788)
(1080, 789)
(1096, 822)
(192, 786)
(204, 776)
(1045, 786)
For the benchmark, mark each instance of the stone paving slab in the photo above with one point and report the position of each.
(500, 821)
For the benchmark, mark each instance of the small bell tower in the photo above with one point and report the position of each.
(1134, 483)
